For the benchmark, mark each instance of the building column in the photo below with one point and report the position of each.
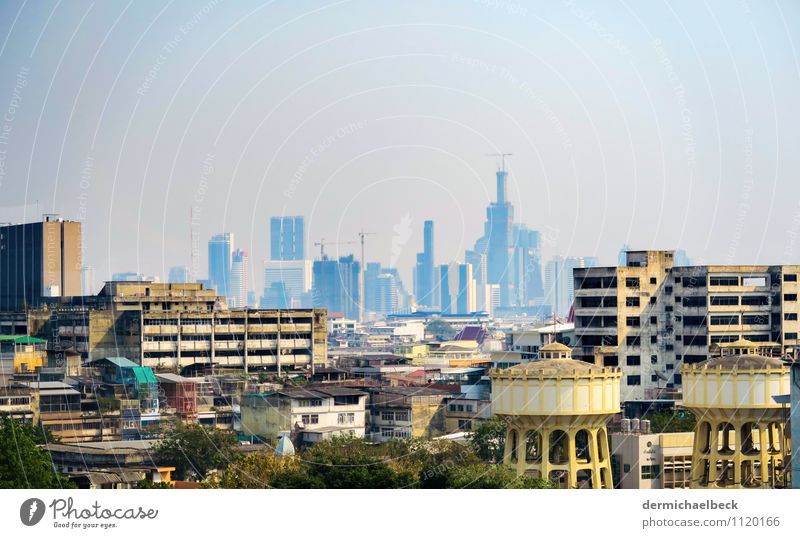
(572, 473)
(522, 442)
(594, 455)
(764, 454)
(507, 448)
(544, 468)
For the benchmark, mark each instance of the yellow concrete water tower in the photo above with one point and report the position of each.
(740, 438)
(557, 409)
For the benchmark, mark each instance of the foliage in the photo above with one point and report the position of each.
(672, 421)
(22, 463)
(489, 440)
(194, 450)
(439, 327)
(351, 462)
(149, 484)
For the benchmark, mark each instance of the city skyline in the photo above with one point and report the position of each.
(394, 128)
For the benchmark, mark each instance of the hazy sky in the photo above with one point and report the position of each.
(657, 124)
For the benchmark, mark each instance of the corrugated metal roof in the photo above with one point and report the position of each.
(122, 362)
(144, 374)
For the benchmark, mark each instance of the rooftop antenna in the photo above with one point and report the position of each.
(362, 235)
(502, 159)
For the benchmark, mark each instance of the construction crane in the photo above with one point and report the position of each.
(321, 244)
(361, 299)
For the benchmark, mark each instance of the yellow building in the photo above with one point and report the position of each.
(29, 354)
(557, 409)
(740, 437)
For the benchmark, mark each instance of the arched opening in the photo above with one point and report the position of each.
(751, 440)
(533, 447)
(559, 452)
(725, 473)
(583, 479)
(726, 438)
(749, 477)
(559, 478)
(582, 443)
(514, 442)
(704, 437)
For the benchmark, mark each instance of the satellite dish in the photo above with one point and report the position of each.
(661, 375)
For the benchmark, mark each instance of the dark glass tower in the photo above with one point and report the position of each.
(287, 239)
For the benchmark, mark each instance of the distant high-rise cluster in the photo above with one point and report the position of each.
(287, 239)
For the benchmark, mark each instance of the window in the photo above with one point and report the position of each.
(653, 359)
(724, 281)
(790, 336)
(401, 415)
(347, 418)
(694, 301)
(464, 424)
(387, 415)
(653, 320)
(654, 339)
(631, 282)
(789, 296)
(310, 419)
(633, 360)
(670, 366)
(754, 281)
(724, 320)
(755, 319)
(724, 338)
(633, 341)
(724, 300)
(693, 282)
(653, 280)
(651, 472)
(755, 300)
(631, 301)
(653, 300)
(789, 277)
(667, 290)
(632, 321)
(790, 316)
(654, 378)
(634, 380)
(668, 309)
(309, 403)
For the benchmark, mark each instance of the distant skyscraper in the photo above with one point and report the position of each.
(466, 301)
(88, 280)
(237, 294)
(287, 239)
(383, 290)
(132, 276)
(424, 273)
(39, 259)
(497, 242)
(559, 282)
(178, 274)
(287, 284)
(336, 286)
(220, 250)
(528, 287)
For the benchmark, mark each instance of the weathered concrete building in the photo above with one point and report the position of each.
(174, 326)
(649, 317)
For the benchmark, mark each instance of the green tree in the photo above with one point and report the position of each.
(258, 470)
(492, 476)
(348, 462)
(489, 439)
(149, 484)
(194, 450)
(439, 327)
(23, 464)
(672, 421)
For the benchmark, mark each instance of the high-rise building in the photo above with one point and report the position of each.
(178, 274)
(237, 294)
(336, 286)
(559, 285)
(424, 273)
(287, 238)
(527, 261)
(497, 242)
(467, 301)
(651, 317)
(39, 259)
(88, 280)
(387, 294)
(220, 250)
(287, 284)
(458, 288)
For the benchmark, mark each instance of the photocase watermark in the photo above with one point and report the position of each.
(206, 171)
(504, 74)
(687, 130)
(9, 114)
(66, 514)
(602, 32)
(743, 207)
(170, 46)
(317, 150)
(512, 8)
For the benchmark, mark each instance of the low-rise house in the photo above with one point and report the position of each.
(25, 353)
(642, 460)
(62, 411)
(19, 403)
(463, 414)
(311, 415)
(179, 396)
(402, 412)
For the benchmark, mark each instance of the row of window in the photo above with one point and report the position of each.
(395, 415)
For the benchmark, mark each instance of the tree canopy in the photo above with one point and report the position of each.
(23, 464)
(194, 450)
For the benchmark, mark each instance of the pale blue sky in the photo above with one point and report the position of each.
(658, 124)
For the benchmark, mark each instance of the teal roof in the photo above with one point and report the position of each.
(21, 339)
(122, 362)
(144, 374)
